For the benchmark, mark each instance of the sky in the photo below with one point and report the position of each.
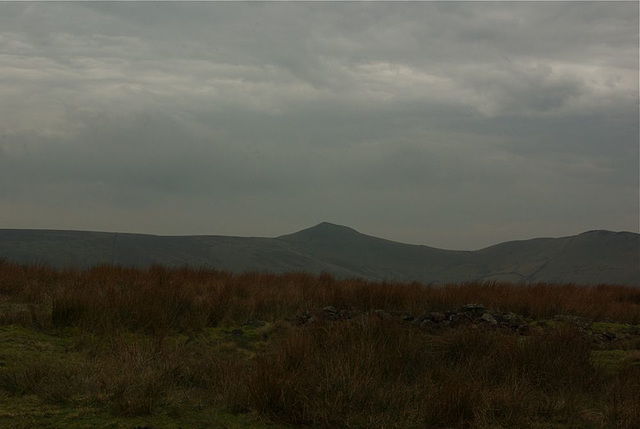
(453, 125)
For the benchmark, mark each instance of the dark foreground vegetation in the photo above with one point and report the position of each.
(168, 348)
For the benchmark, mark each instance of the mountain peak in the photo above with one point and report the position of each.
(598, 232)
(324, 231)
(328, 226)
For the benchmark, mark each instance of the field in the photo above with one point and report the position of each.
(113, 347)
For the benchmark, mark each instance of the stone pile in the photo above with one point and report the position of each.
(471, 315)
(480, 317)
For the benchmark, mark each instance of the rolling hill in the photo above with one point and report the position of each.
(589, 258)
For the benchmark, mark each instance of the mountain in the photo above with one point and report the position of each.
(380, 259)
(590, 258)
(85, 249)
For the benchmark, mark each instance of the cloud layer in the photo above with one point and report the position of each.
(455, 125)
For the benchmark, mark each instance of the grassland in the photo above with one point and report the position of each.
(113, 347)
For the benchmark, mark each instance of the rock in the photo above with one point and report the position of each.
(477, 308)
(488, 318)
(512, 320)
(426, 323)
(568, 318)
(418, 320)
(468, 316)
(436, 317)
(454, 319)
(470, 312)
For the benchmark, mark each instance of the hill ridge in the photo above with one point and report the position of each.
(591, 257)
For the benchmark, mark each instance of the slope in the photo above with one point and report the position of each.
(590, 258)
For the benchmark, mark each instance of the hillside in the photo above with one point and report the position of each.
(590, 258)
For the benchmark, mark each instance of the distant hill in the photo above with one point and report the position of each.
(590, 258)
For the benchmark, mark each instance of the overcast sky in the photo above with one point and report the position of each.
(455, 125)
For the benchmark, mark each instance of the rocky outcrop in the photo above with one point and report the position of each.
(477, 316)
(472, 315)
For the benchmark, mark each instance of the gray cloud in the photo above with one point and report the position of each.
(449, 124)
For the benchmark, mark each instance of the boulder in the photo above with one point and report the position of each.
(454, 319)
(512, 320)
(488, 318)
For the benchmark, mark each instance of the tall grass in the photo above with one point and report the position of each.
(137, 349)
(159, 299)
(377, 373)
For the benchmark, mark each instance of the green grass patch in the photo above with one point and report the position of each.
(19, 345)
(31, 412)
(615, 328)
(610, 361)
(76, 379)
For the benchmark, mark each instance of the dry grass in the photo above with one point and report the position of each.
(160, 299)
(139, 344)
(377, 373)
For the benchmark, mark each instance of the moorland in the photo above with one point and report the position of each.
(160, 347)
